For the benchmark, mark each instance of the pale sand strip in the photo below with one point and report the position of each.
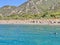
(35, 21)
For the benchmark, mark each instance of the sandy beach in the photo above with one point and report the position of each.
(34, 21)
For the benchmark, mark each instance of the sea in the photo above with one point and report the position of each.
(15, 34)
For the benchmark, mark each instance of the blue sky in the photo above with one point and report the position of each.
(11, 2)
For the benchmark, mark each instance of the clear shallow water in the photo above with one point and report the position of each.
(29, 35)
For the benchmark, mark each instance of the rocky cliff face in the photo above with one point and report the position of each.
(31, 7)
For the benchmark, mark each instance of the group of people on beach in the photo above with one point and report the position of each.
(45, 22)
(42, 22)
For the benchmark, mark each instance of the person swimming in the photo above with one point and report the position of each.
(55, 33)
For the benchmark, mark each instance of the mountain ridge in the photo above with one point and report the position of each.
(31, 7)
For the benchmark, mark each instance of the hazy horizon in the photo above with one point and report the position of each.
(11, 2)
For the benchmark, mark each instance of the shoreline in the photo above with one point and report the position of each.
(33, 21)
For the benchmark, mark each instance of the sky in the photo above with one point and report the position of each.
(11, 2)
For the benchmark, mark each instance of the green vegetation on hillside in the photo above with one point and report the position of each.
(45, 15)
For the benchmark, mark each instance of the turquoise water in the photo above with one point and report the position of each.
(29, 35)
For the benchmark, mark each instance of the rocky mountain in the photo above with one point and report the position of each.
(7, 10)
(31, 7)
